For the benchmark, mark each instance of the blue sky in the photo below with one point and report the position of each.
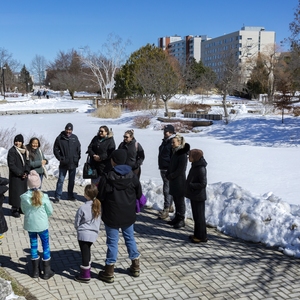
(28, 28)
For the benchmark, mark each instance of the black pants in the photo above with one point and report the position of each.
(198, 210)
(179, 202)
(85, 248)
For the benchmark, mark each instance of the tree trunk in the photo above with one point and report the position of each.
(166, 108)
(225, 109)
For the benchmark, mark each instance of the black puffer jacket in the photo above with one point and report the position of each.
(67, 150)
(176, 171)
(118, 191)
(135, 153)
(165, 153)
(196, 181)
(103, 148)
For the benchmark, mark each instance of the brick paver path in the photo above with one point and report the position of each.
(171, 266)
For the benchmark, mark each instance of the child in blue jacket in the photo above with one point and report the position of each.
(37, 207)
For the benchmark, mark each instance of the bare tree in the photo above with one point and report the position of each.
(105, 63)
(66, 72)
(229, 78)
(159, 76)
(8, 65)
(38, 68)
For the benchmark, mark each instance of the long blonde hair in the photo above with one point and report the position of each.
(91, 191)
(36, 198)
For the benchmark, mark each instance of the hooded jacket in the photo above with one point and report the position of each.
(176, 171)
(118, 192)
(197, 181)
(67, 150)
(103, 148)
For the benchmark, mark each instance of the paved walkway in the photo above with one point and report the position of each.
(171, 266)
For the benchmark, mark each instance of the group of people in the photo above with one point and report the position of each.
(173, 155)
(111, 197)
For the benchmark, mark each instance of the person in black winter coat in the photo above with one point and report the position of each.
(3, 188)
(196, 191)
(67, 150)
(100, 150)
(135, 152)
(176, 176)
(118, 191)
(164, 159)
(19, 168)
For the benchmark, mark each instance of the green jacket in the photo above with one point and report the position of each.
(36, 217)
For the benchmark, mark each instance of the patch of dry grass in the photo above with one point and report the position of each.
(108, 111)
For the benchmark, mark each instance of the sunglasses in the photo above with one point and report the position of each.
(101, 131)
(125, 137)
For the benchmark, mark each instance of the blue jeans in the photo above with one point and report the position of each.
(112, 238)
(44, 236)
(168, 199)
(61, 179)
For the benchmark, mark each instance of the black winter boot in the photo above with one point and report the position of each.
(134, 269)
(35, 267)
(48, 273)
(180, 223)
(174, 220)
(108, 274)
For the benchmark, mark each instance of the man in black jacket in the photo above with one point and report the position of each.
(67, 150)
(164, 158)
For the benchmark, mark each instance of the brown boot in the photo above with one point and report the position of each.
(108, 274)
(164, 214)
(134, 269)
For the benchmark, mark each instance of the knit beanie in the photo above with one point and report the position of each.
(69, 126)
(169, 128)
(19, 138)
(34, 180)
(119, 156)
(196, 154)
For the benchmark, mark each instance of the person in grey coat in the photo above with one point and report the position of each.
(87, 223)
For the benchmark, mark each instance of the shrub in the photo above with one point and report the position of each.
(296, 111)
(142, 121)
(6, 137)
(108, 111)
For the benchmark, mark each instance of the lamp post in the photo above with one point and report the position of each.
(3, 81)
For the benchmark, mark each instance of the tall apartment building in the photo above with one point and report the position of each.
(183, 49)
(247, 42)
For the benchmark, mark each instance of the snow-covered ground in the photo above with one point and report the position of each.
(253, 162)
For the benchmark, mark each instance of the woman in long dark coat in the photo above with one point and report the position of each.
(196, 191)
(176, 176)
(19, 168)
(100, 150)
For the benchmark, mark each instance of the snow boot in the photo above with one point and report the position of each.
(174, 220)
(180, 223)
(164, 214)
(47, 272)
(35, 267)
(108, 274)
(85, 274)
(134, 269)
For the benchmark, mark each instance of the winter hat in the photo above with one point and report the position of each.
(169, 128)
(119, 156)
(19, 138)
(34, 180)
(196, 154)
(69, 126)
